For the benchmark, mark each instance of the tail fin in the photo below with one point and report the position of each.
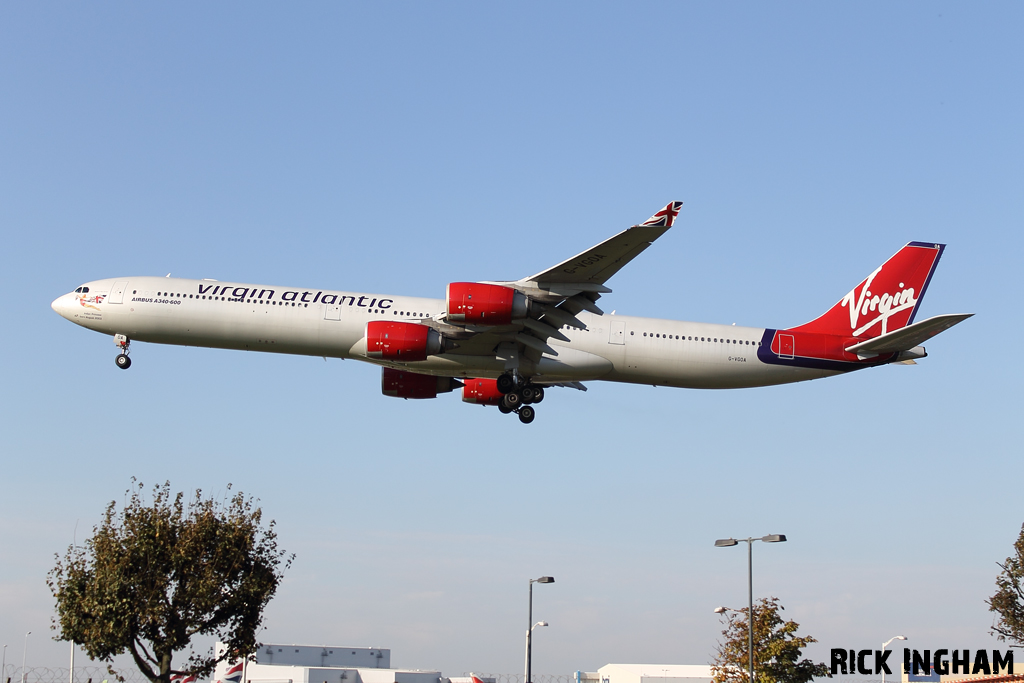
(886, 300)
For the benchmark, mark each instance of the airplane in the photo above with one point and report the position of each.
(504, 342)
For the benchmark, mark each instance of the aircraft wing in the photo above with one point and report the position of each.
(596, 265)
(908, 337)
(560, 292)
(588, 271)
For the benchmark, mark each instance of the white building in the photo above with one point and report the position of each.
(650, 673)
(275, 663)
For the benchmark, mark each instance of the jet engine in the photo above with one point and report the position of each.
(482, 392)
(481, 304)
(402, 341)
(405, 384)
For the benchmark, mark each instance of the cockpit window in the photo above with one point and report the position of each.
(82, 290)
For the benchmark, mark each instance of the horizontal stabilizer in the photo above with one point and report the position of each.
(908, 337)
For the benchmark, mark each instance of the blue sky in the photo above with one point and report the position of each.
(398, 147)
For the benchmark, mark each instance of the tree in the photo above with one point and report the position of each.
(777, 648)
(1008, 601)
(154, 575)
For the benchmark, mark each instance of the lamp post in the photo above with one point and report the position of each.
(3, 666)
(885, 645)
(24, 653)
(529, 631)
(728, 542)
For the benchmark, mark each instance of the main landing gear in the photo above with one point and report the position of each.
(122, 342)
(519, 395)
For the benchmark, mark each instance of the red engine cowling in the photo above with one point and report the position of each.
(473, 302)
(482, 392)
(405, 384)
(401, 341)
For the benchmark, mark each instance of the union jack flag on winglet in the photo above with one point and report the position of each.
(665, 217)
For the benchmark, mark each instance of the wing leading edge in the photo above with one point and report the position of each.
(559, 293)
(597, 265)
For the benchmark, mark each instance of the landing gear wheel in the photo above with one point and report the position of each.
(526, 414)
(123, 361)
(512, 400)
(529, 394)
(538, 394)
(504, 409)
(506, 383)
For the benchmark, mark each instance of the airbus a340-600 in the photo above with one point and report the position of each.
(504, 343)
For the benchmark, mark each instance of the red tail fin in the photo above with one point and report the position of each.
(887, 299)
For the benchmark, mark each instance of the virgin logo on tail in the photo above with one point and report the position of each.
(901, 283)
(887, 305)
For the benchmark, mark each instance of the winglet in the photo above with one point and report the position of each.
(666, 217)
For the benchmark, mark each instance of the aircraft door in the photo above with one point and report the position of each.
(332, 312)
(786, 346)
(117, 292)
(617, 332)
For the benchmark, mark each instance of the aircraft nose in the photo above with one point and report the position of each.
(60, 305)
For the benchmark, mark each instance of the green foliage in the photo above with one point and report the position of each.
(777, 648)
(154, 575)
(1008, 601)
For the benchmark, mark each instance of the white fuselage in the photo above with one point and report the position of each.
(326, 323)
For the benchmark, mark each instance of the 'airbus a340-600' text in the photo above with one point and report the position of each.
(505, 343)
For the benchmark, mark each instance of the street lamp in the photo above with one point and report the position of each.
(529, 631)
(3, 667)
(729, 542)
(23, 655)
(885, 645)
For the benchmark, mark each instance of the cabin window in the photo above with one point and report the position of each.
(631, 333)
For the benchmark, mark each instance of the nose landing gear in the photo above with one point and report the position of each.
(122, 360)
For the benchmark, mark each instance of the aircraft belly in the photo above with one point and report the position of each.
(570, 365)
(458, 365)
(700, 356)
(233, 326)
(699, 375)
